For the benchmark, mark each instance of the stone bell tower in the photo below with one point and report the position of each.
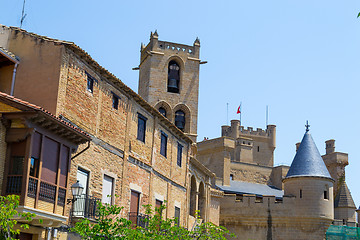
(169, 81)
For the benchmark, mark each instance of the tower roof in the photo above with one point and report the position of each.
(307, 161)
(344, 198)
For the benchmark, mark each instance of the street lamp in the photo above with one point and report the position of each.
(76, 190)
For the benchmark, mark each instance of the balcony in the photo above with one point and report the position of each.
(139, 219)
(85, 207)
(47, 192)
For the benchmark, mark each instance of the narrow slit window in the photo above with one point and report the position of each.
(90, 83)
(115, 101)
(163, 145)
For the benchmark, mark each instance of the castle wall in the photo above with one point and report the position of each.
(347, 214)
(252, 218)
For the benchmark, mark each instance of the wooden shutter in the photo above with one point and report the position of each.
(50, 160)
(65, 154)
(108, 183)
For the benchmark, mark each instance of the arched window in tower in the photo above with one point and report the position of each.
(173, 77)
(162, 111)
(180, 120)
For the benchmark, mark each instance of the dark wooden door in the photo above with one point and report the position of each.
(134, 207)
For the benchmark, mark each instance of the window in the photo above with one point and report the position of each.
(179, 154)
(173, 77)
(300, 193)
(115, 101)
(34, 167)
(163, 145)
(141, 127)
(177, 215)
(258, 149)
(326, 192)
(180, 120)
(108, 186)
(158, 205)
(162, 111)
(83, 177)
(231, 176)
(90, 83)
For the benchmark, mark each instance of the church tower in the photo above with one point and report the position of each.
(169, 81)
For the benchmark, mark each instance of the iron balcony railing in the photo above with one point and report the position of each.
(139, 219)
(86, 207)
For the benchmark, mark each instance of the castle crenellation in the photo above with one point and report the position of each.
(245, 201)
(227, 131)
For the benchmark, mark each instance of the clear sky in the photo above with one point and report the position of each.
(299, 57)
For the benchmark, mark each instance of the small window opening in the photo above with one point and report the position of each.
(173, 77)
(231, 176)
(90, 83)
(180, 120)
(115, 101)
(162, 111)
(326, 195)
(300, 193)
(258, 148)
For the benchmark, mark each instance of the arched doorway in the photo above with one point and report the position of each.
(193, 196)
(201, 201)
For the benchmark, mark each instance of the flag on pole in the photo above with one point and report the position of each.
(239, 110)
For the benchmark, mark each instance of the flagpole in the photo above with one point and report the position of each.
(267, 115)
(227, 113)
(240, 113)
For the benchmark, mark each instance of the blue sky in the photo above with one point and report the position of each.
(299, 57)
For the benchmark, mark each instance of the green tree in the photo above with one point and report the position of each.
(8, 211)
(110, 226)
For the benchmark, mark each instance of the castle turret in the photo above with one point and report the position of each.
(310, 183)
(344, 205)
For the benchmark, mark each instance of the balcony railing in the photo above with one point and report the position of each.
(13, 185)
(139, 219)
(85, 206)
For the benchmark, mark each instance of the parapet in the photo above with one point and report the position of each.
(240, 204)
(159, 47)
(235, 130)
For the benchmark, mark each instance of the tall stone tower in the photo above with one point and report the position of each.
(169, 81)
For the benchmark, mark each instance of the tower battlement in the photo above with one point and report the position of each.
(236, 131)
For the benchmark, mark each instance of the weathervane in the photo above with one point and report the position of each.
(307, 125)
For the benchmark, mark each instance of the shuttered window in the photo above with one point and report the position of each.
(163, 145)
(179, 154)
(141, 127)
(108, 185)
(177, 215)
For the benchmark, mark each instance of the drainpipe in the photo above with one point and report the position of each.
(88, 146)
(13, 80)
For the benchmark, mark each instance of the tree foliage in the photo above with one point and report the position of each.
(110, 226)
(8, 211)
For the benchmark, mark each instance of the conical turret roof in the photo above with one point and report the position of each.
(307, 161)
(344, 198)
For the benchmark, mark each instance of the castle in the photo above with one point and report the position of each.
(66, 119)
